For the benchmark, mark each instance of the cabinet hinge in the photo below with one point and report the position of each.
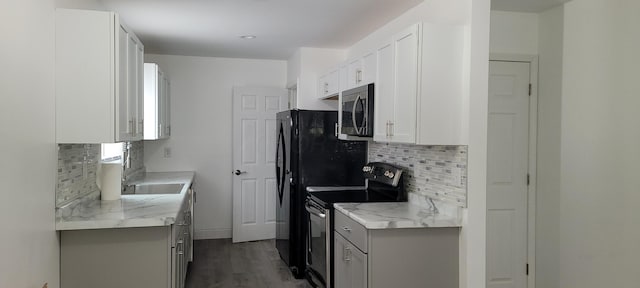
(528, 179)
(530, 88)
(527, 269)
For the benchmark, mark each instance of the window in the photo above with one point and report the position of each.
(111, 151)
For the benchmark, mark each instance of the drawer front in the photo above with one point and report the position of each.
(351, 230)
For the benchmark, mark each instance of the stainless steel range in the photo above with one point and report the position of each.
(384, 184)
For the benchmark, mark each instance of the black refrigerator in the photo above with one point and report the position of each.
(309, 154)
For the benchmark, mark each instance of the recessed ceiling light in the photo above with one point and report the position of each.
(248, 36)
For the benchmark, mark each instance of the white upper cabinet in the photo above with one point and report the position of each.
(361, 71)
(384, 93)
(395, 117)
(99, 78)
(156, 103)
(419, 95)
(167, 107)
(329, 84)
(443, 102)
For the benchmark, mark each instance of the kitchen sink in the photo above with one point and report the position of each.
(158, 189)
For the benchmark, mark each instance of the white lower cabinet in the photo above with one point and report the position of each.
(350, 264)
(394, 257)
(129, 257)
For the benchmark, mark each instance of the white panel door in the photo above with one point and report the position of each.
(507, 168)
(254, 147)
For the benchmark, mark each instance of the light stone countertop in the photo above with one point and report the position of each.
(391, 215)
(142, 210)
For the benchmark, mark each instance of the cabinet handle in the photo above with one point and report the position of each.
(391, 125)
(326, 88)
(347, 254)
(345, 228)
(358, 76)
(335, 130)
(388, 124)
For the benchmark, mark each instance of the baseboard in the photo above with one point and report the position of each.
(212, 234)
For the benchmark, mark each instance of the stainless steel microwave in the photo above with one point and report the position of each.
(357, 111)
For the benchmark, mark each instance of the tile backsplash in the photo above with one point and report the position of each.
(438, 172)
(137, 161)
(77, 166)
(77, 170)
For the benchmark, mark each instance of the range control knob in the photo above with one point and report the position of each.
(390, 175)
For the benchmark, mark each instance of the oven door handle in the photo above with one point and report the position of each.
(314, 210)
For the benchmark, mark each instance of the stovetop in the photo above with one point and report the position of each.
(385, 183)
(327, 198)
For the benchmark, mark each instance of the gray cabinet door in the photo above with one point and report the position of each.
(350, 264)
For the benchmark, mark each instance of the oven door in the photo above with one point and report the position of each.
(318, 241)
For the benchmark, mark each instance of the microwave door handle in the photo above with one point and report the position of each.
(365, 114)
(353, 114)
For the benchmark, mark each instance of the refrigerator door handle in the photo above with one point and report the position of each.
(280, 170)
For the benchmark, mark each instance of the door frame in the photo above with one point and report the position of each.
(533, 140)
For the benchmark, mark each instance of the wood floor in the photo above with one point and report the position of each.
(221, 264)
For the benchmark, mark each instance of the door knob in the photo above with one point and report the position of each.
(238, 172)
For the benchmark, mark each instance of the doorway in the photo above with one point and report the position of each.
(511, 158)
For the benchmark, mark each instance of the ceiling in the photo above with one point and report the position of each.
(531, 6)
(213, 27)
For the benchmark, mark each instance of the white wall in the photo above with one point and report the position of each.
(29, 246)
(80, 4)
(434, 11)
(514, 33)
(201, 117)
(473, 234)
(599, 199)
(293, 69)
(305, 67)
(548, 160)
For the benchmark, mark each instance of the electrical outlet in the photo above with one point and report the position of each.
(167, 152)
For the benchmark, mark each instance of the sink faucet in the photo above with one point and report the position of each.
(126, 163)
(126, 155)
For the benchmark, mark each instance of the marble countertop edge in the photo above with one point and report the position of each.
(130, 211)
(396, 215)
